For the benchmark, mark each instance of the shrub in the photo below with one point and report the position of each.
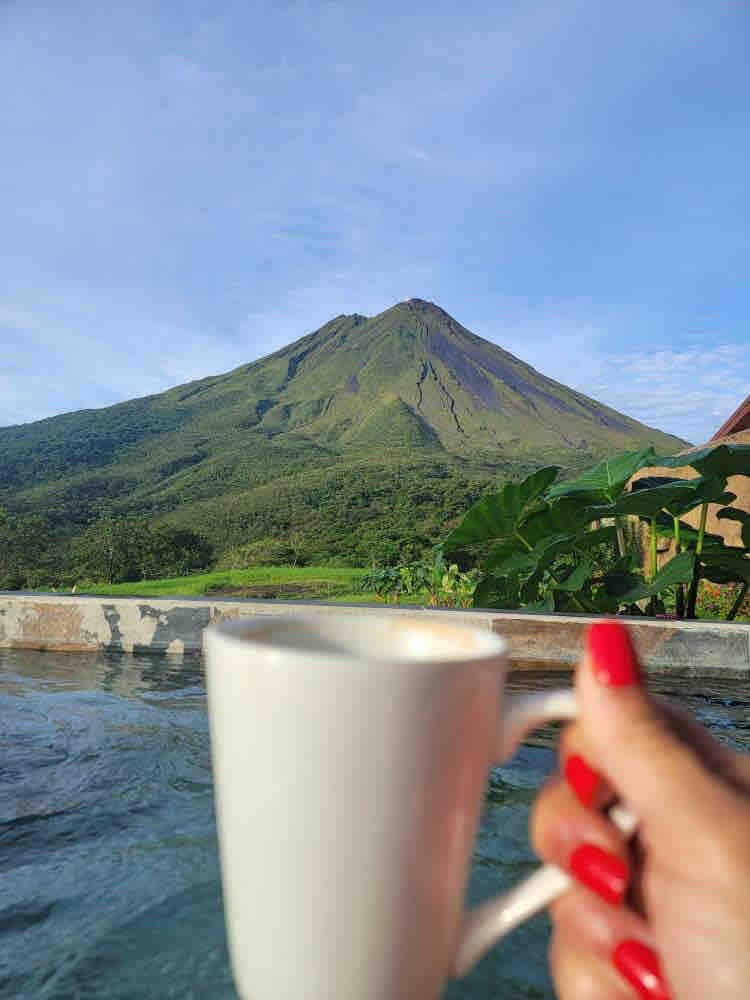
(564, 547)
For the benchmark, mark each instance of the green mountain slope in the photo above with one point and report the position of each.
(409, 388)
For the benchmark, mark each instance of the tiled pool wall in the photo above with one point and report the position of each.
(175, 625)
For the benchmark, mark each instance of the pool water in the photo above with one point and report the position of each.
(109, 877)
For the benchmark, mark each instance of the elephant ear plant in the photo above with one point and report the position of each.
(565, 547)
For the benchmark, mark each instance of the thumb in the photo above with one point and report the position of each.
(656, 774)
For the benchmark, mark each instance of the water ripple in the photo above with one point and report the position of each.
(107, 839)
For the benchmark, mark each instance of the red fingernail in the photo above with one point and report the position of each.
(612, 655)
(640, 967)
(581, 778)
(602, 872)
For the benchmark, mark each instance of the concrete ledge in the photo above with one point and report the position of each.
(175, 625)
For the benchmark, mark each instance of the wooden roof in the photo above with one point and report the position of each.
(739, 421)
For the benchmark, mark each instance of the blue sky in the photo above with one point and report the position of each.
(187, 186)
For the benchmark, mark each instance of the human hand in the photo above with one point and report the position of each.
(668, 914)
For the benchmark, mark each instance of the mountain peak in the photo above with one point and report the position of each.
(421, 308)
(411, 381)
(420, 305)
(414, 374)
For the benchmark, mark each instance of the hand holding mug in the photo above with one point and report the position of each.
(350, 756)
(667, 915)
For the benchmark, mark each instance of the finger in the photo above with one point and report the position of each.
(630, 970)
(639, 965)
(631, 743)
(580, 841)
(579, 975)
(592, 788)
(559, 823)
(587, 783)
(595, 926)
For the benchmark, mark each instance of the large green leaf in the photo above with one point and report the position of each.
(493, 593)
(617, 583)
(521, 561)
(501, 551)
(621, 577)
(734, 514)
(507, 558)
(728, 565)
(718, 460)
(648, 502)
(606, 481)
(565, 516)
(704, 489)
(712, 493)
(677, 570)
(499, 515)
(623, 574)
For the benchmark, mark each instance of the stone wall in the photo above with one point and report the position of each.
(175, 625)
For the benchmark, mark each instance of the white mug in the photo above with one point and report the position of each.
(350, 756)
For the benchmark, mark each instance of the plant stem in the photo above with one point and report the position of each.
(693, 592)
(620, 533)
(680, 601)
(653, 548)
(523, 541)
(680, 596)
(701, 529)
(654, 562)
(738, 603)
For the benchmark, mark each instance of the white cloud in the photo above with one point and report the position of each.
(686, 391)
(690, 392)
(55, 359)
(183, 193)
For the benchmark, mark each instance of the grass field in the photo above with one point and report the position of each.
(322, 583)
(328, 583)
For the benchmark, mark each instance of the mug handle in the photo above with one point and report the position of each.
(485, 925)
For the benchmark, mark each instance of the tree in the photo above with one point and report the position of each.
(98, 554)
(27, 552)
(298, 547)
(116, 551)
(177, 551)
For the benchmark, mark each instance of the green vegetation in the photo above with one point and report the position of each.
(309, 582)
(358, 444)
(369, 516)
(563, 547)
(130, 549)
(727, 601)
(110, 550)
(435, 583)
(536, 544)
